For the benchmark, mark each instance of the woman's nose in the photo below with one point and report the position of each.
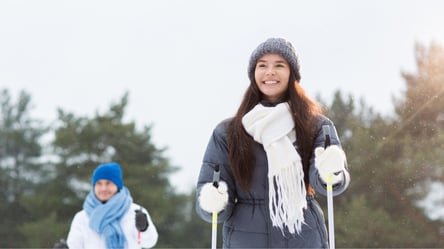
(270, 71)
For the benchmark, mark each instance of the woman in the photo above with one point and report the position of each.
(109, 218)
(271, 160)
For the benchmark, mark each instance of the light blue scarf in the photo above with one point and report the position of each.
(104, 218)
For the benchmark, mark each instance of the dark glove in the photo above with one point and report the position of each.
(141, 220)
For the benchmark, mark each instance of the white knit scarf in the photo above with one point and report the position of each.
(273, 127)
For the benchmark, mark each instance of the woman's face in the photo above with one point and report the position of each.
(105, 189)
(272, 74)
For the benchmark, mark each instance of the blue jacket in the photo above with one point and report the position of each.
(246, 218)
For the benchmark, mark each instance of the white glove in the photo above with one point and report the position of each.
(330, 161)
(212, 199)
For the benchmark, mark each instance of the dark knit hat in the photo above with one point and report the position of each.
(279, 46)
(108, 171)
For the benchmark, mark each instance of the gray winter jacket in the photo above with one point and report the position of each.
(246, 218)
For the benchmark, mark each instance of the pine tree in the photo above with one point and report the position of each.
(20, 165)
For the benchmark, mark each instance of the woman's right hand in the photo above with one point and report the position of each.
(213, 199)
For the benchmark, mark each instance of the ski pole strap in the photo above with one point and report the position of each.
(327, 135)
(216, 176)
(327, 142)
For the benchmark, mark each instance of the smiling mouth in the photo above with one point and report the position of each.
(270, 82)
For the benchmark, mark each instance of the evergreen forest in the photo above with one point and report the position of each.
(396, 163)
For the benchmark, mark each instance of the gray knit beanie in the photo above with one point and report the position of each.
(279, 46)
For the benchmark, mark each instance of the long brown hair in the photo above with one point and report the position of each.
(240, 144)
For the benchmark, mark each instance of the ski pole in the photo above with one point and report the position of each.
(216, 176)
(138, 232)
(331, 226)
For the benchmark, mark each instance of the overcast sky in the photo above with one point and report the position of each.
(184, 62)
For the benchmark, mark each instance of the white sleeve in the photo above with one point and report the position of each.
(75, 239)
(150, 236)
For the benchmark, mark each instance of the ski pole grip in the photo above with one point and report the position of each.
(327, 135)
(216, 176)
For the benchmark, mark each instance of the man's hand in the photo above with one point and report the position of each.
(141, 220)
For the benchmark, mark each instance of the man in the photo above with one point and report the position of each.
(109, 218)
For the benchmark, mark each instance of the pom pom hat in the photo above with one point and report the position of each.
(279, 46)
(108, 171)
